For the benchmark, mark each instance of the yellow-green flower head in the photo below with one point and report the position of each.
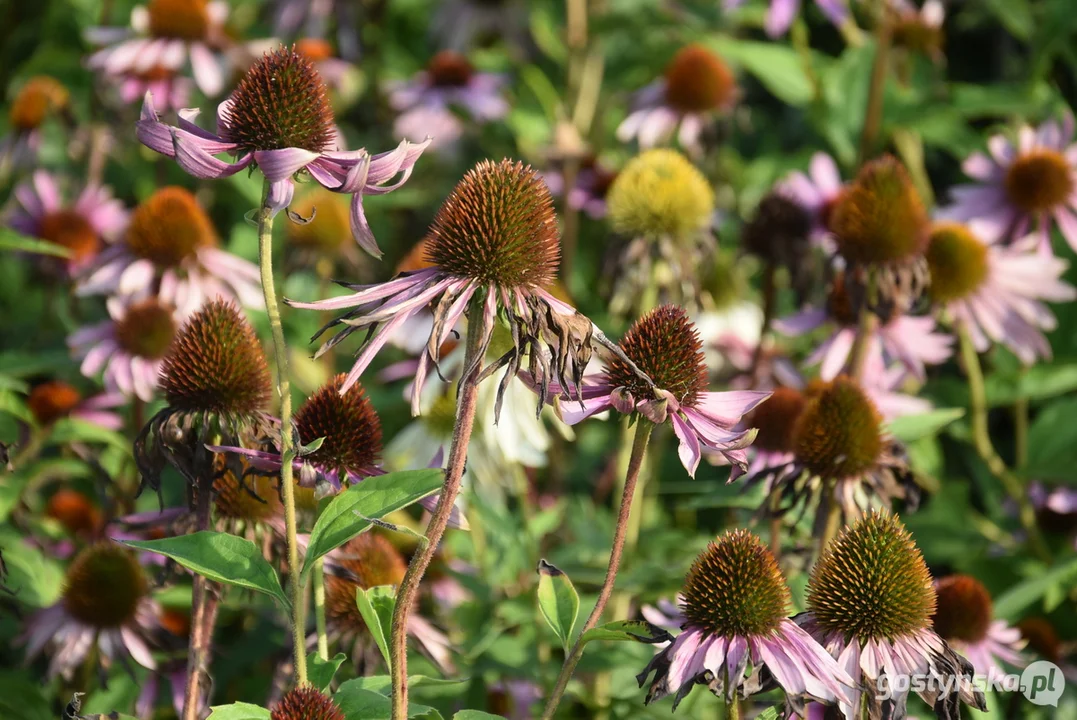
(659, 193)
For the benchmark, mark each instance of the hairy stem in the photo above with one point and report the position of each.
(635, 463)
(280, 356)
(319, 609)
(981, 440)
(204, 605)
(466, 401)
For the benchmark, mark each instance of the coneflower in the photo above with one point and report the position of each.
(39, 99)
(870, 600)
(306, 703)
(736, 630)
(280, 121)
(54, 400)
(964, 617)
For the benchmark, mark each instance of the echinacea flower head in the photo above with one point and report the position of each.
(697, 86)
(779, 234)
(54, 400)
(735, 604)
(818, 192)
(1022, 186)
(171, 248)
(919, 30)
(248, 498)
(964, 617)
(664, 346)
(81, 228)
(279, 120)
(775, 420)
(869, 602)
(78, 515)
(306, 703)
(37, 100)
(494, 241)
(105, 604)
(995, 292)
(216, 383)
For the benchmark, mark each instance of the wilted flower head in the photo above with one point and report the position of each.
(736, 633)
(697, 86)
(817, 192)
(995, 292)
(870, 600)
(81, 228)
(494, 240)
(665, 347)
(1021, 187)
(54, 400)
(306, 703)
(279, 120)
(964, 617)
(37, 100)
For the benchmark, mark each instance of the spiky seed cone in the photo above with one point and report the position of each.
(216, 364)
(281, 102)
(697, 80)
(779, 231)
(776, 418)
(1038, 181)
(252, 499)
(880, 218)
(498, 226)
(839, 433)
(178, 19)
(736, 588)
(449, 69)
(366, 561)
(169, 227)
(147, 330)
(74, 511)
(957, 261)
(660, 193)
(104, 585)
(348, 422)
(871, 582)
(1041, 637)
(37, 98)
(665, 345)
(72, 231)
(963, 609)
(330, 227)
(52, 400)
(306, 703)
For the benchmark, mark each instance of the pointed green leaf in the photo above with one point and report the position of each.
(376, 606)
(558, 601)
(628, 630)
(350, 512)
(1013, 603)
(913, 427)
(320, 672)
(476, 715)
(220, 557)
(17, 242)
(238, 711)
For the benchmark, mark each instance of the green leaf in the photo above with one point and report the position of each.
(558, 601)
(320, 672)
(383, 683)
(1012, 603)
(358, 703)
(238, 711)
(777, 67)
(376, 606)
(628, 630)
(70, 430)
(1015, 16)
(311, 447)
(23, 697)
(17, 242)
(913, 427)
(771, 713)
(220, 557)
(350, 512)
(476, 715)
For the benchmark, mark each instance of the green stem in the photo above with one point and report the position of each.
(1020, 427)
(280, 355)
(639, 448)
(981, 440)
(319, 609)
(873, 115)
(732, 708)
(866, 326)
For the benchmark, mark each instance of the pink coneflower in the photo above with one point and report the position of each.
(817, 192)
(40, 98)
(53, 400)
(1022, 186)
(994, 291)
(105, 611)
(782, 13)
(735, 604)
(964, 618)
(279, 120)
(696, 88)
(494, 240)
(81, 228)
(665, 345)
(870, 600)
(173, 91)
(588, 193)
(449, 81)
(905, 339)
(129, 347)
(165, 35)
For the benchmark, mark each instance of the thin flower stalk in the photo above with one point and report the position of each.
(319, 609)
(204, 606)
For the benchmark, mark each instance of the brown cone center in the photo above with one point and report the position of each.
(103, 586)
(178, 19)
(1039, 181)
(147, 330)
(697, 81)
(169, 227)
(963, 609)
(72, 231)
(52, 400)
(449, 69)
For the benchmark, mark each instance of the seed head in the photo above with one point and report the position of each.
(366, 561)
(698, 81)
(880, 218)
(839, 433)
(659, 193)
(330, 227)
(281, 102)
(449, 69)
(779, 231)
(498, 226)
(169, 227)
(52, 400)
(147, 329)
(776, 419)
(72, 231)
(74, 511)
(963, 609)
(736, 588)
(957, 261)
(252, 499)
(104, 585)
(216, 364)
(178, 19)
(349, 424)
(40, 96)
(665, 345)
(1041, 637)
(306, 703)
(871, 582)
(1039, 181)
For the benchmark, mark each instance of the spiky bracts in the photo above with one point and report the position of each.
(498, 227)
(872, 583)
(306, 703)
(697, 80)
(104, 585)
(665, 345)
(169, 227)
(348, 422)
(282, 102)
(735, 588)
